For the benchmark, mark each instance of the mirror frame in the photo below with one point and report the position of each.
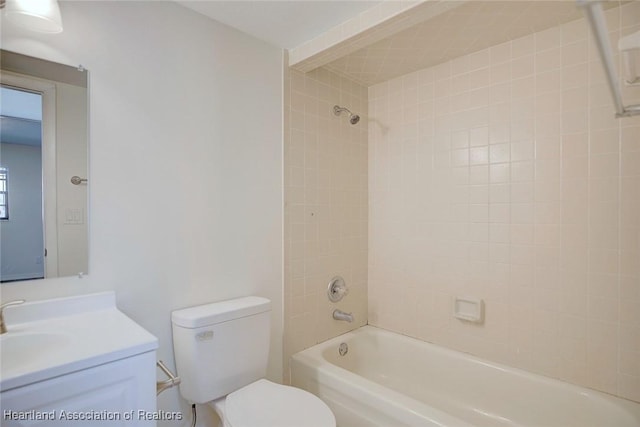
(15, 66)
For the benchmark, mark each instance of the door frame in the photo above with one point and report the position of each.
(47, 90)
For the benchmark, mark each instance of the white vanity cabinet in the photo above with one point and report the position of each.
(76, 362)
(120, 393)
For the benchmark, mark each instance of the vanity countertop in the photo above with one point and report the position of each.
(49, 338)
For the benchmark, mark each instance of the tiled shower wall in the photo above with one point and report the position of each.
(326, 202)
(503, 175)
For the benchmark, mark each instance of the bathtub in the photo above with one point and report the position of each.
(390, 380)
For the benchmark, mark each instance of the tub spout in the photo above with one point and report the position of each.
(341, 315)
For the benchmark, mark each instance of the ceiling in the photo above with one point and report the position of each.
(471, 27)
(20, 117)
(286, 24)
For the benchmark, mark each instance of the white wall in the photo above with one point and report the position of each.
(185, 162)
(22, 245)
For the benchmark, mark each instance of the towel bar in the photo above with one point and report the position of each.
(172, 381)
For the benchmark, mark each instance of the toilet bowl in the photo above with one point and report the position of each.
(267, 404)
(221, 351)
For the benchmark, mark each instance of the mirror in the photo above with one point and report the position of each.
(43, 169)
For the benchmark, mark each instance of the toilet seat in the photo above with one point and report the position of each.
(267, 404)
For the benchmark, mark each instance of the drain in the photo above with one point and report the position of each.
(343, 349)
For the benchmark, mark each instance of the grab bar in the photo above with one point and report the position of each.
(168, 383)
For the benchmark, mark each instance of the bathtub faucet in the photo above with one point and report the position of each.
(341, 315)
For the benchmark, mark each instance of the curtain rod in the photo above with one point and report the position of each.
(595, 15)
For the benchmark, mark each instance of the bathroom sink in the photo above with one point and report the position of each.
(49, 338)
(22, 349)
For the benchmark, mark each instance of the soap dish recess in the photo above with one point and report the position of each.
(469, 309)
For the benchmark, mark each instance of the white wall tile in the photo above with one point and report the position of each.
(326, 204)
(532, 197)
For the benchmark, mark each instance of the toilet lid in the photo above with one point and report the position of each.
(266, 404)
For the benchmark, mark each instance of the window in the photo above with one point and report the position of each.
(4, 195)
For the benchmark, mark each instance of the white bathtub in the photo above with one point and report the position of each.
(390, 380)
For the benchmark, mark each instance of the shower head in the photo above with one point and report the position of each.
(353, 118)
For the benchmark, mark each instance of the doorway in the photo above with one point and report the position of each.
(23, 167)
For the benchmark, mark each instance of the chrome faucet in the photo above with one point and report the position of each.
(341, 315)
(3, 328)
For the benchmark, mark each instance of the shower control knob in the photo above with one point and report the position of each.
(337, 289)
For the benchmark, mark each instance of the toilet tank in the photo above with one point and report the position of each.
(221, 347)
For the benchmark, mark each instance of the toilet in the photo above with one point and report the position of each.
(221, 351)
